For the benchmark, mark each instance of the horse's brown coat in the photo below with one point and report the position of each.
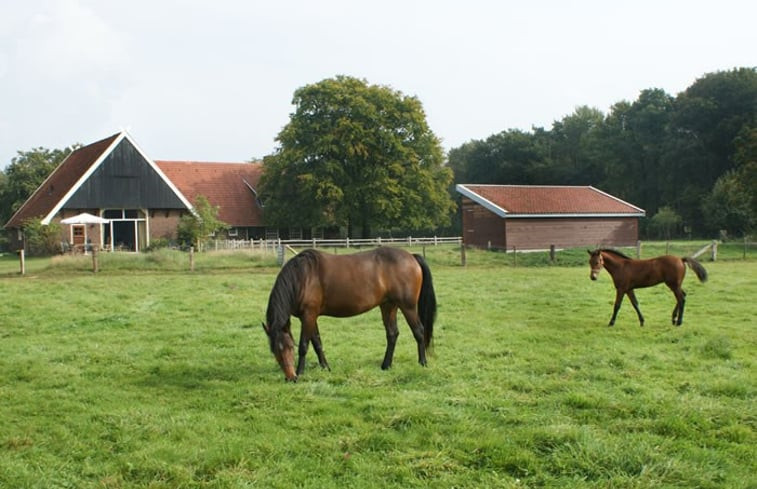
(315, 284)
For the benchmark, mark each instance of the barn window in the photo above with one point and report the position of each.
(127, 230)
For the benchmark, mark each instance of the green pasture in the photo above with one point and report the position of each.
(148, 375)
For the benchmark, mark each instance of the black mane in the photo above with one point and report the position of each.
(285, 295)
(616, 253)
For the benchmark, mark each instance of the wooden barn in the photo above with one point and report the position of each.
(140, 199)
(527, 217)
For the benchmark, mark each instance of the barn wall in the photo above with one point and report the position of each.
(535, 234)
(164, 223)
(482, 228)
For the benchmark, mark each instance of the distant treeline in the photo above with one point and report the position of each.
(691, 158)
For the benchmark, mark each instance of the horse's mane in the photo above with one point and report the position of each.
(616, 253)
(285, 294)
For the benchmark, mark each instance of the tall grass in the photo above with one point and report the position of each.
(163, 378)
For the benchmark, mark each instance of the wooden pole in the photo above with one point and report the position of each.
(463, 260)
(22, 261)
(745, 247)
(714, 255)
(95, 265)
(552, 253)
(191, 258)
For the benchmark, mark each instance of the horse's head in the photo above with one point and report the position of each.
(596, 262)
(282, 347)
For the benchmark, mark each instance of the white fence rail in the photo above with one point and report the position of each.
(274, 244)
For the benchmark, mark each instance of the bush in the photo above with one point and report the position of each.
(41, 239)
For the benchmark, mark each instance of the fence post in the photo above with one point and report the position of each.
(280, 255)
(714, 253)
(22, 261)
(552, 253)
(638, 248)
(462, 254)
(95, 265)
(745, 246)
(191, 258)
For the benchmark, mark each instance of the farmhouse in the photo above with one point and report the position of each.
(141, 199)
(525, 217)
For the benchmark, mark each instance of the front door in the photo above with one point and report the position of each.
(78, 235)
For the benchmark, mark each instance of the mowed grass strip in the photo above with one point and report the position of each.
(164, 379)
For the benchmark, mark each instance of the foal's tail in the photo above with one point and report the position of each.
(426, 301)
(697, 267)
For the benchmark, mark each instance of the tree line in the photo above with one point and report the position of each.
(689, 160)
(362, 158)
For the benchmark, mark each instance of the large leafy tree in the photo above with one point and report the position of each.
(708, 118)
(732, 203)
(512, 156)
(574, 147)
(25, 173)
(358, 156)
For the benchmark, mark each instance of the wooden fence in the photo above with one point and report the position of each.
(276, 244)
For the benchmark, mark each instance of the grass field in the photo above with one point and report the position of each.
(146, 375)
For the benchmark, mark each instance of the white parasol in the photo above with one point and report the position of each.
(84, 218)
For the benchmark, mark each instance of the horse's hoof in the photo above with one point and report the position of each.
(293, 380)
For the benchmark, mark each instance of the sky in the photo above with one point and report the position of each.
(213, 80)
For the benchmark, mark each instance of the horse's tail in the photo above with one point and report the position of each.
(426, 301)
(697, 267)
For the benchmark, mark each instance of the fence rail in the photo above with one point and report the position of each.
(274, 244)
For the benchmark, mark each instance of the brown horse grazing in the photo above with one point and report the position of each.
(629, 274)
(314, 283)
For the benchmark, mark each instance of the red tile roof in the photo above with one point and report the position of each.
(547, 200)
(60, 181)
(227, 185)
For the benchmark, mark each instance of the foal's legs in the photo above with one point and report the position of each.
(635, 303)
(618, 299)
(389, 316)
(677, 316)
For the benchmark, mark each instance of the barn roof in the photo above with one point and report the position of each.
(548, 201)
(231, 186)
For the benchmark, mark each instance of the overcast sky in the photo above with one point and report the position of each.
(213, 80)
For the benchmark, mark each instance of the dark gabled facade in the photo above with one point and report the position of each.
(125, 179)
